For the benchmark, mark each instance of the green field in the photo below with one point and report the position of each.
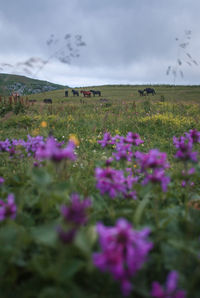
(34, 261)
(128, 92)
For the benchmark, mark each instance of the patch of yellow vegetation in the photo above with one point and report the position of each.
(168, 119)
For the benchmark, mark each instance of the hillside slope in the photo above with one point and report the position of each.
(24, 85)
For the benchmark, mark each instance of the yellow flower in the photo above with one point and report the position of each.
(70, 118)
(43, 124)
(73, 138)
(92, 140)
(117, 131)
(35, 132)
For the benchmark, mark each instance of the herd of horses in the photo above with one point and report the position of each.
(85, 93)
(143, 92)
(15, 98)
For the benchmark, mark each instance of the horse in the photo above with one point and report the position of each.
(141, 92)
(48, 100)
(75, 92)
(94, 92)
(150, 91)
(86, 93)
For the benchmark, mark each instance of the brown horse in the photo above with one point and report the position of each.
(86, 93)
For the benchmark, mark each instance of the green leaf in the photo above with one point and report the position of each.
(45, 235)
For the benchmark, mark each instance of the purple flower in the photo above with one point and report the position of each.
(33, 143)
(2, 180)
(124, 151)
(52, 150)
(124, 251)
(194, 135)
(5, 145)
(107, 140)
(115, 183)
(30, 145)
(133, 138)
(170, 290)
(75, 213)
(187, 176)
(157, 176)
(191, 171)
(8, 209)
(184, 146)
(110, 181)
(74, 216)
(153, 165)
(183, 183)
(66, 236)
(151, 160)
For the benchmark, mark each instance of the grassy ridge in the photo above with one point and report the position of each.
(11, 83)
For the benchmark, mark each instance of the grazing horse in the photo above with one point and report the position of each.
(86, 93)
(95, 92)
(75, 92)
(48, 100)
(141, 92)
(150, 91)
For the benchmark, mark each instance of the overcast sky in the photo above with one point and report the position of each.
(95, 42)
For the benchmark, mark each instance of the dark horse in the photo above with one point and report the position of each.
(86, 93)
(150, 91)
(95, 92)
(75, 92)
(48, 100)
(141, 92)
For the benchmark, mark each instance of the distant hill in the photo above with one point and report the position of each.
(14, 83)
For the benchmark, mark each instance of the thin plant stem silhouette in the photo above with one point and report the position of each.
(183, 56)
(64, 50)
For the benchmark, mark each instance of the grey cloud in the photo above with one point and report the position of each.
(137, 36)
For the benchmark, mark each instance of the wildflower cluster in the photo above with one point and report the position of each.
(185, 153)
(39, 148)
(74, 216)
(115, 183)
(153, 165)
(184, 146)
(52, 150)
(124, 251)
(123, 145)
(30, 146)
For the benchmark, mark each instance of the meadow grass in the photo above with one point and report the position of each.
(42, 266)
